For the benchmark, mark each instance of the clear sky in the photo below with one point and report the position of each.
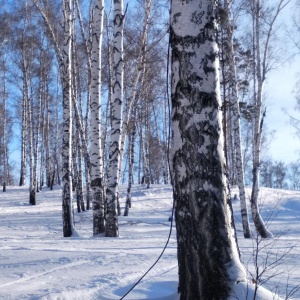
(286, 145)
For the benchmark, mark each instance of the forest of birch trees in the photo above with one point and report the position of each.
(85, 99)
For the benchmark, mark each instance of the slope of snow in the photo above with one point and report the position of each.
(36, 262)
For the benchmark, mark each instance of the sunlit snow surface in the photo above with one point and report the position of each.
(36, 262)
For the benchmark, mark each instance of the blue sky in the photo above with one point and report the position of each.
(286, 145)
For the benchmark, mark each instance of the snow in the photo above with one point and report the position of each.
(36, 262)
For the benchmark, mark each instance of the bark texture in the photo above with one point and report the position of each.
(95, 110)
(66, 78)
(207, 251)
(24, 121)
(260, 73)
(234, 99)
(113, 174)
(5, 152)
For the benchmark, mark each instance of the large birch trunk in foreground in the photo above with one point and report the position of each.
(207, 251)
(95, 110)
(65, 69)
(113, 174)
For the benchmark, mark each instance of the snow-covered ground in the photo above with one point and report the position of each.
(36, 262)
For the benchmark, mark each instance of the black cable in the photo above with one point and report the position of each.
(159, 257)
(173, 205)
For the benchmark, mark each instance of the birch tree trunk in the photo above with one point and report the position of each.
(161, 150)
(138, 76)
(56, 170)
(5, 160)
(48, 158)
(147, 173)
(166, 140)
(30, 142)
(66, 78)
(131, 144)
(87, 163)
(79, 190)
(24, 121)
(45, 151)
(232, 81)
(35, 137)
(113, 174)
(207, 251)
(260, 71)
(77, 160)
(42, 150)
(95, 111)
(141, 178)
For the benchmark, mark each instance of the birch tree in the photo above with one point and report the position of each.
(113, 173)
(234, 101)
(35, 124)
(137, 78)
(64, 57)
(4, 128)
(131, 148)
(207, 251)
(66, 78)
(95, 111)
(262, 65)
(3, 103)
(24, 125)
(86, 41)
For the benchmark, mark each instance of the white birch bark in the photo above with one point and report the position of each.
(79, 188)
(87, 122)
(232, 80)
(207, 251)
(64, 57)
(5, 157)
(77, 161)
(109, 97)
(113, 174)
(42, 150)
(56, 169)
(66, 78)
(146, 148)
(166, 140)
(257, 219)
(87, 163)
(36, 125)
(131, 147)
(160, 148)
(138, 77)
(48, 157)
(30, 142)
(141, 178)
(95, 125)
(24, 122)
(260, 72)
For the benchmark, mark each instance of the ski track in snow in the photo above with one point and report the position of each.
(27, 278)
(36, 262)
